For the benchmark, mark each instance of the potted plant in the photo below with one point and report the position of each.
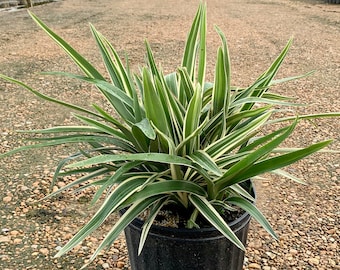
(178, 151)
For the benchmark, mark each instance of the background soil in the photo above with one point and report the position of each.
(306, 218)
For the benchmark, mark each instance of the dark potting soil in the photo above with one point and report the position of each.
(174, 217)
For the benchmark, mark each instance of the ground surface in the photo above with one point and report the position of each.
(306, 218)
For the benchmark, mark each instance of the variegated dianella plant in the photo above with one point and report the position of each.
(174, 139)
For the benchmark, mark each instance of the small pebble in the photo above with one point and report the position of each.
(14, 233)
(254, 266)
(24, 188)
(61, 184)
(293, 251)
(44, 251)
(120, 264)
(4, 239)
(314, 261)
(105, 266)
(7, 199)
(17, 241)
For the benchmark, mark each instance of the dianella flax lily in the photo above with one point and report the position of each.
(174, 139)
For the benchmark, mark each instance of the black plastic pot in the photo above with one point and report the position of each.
(186, 249)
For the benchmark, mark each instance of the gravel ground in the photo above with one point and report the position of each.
(306, 218)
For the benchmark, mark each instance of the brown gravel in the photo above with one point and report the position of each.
(306, 218)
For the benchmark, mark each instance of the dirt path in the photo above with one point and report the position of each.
(305, 217)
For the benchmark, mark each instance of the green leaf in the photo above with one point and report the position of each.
(196, 133)
(236, 118)
(288, 175)
(169, 107)
(259, 100)
(288, 79)
(202, 46)
(129, 136)
(48, 98)
(148, 223)
(167, 187)
(239, 190)
(98, 172)
(222, 85)
(152, 104)
(272, 164)
(143, 132)
(81, 62)
(115, 199)
(171, 82)
(220, 91)
(146, 128)
(205, 161)
(63, 129)
(186, 87)
(101, 126)
(306, 117)
(54, 141)
(173, 110)
(274, 68)
(230, 176)
(237, 137)
(255, 142)
(118, 74)
(192, 119)
(226, 64)
(122, 103)
(227, 161)
(152, 157)
(124, 221)
(211, 214)
(151, 61)
(191, 50)
(253, 211)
